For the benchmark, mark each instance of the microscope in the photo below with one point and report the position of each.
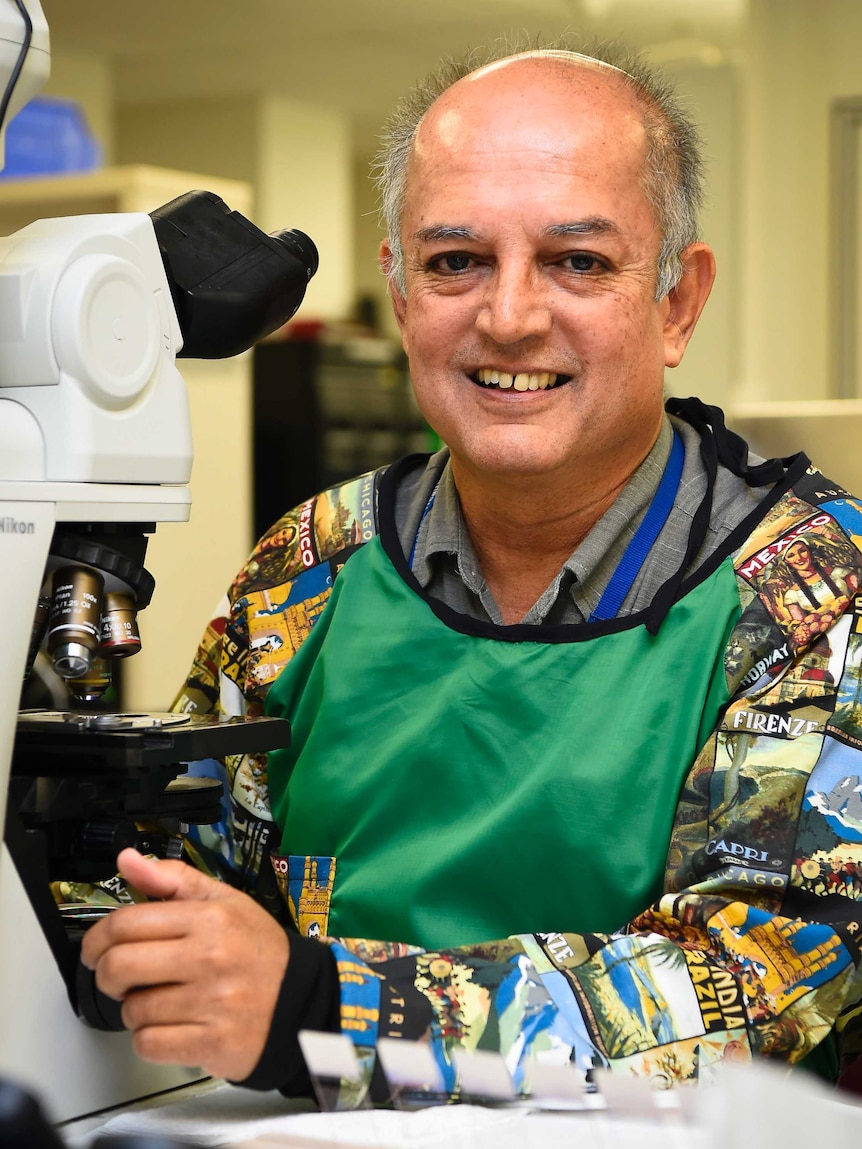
(95, 450)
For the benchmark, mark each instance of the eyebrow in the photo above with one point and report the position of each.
(438, 233)
(591, 225)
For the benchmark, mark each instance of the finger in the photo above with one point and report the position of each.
(186, 1043)
(125, 968)
(168, 880)
(165, 1005)
(181, 1044)
(155, 921)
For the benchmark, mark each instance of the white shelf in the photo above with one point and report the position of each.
(135, 187)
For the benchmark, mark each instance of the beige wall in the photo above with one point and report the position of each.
(784, 236)
(216, 135)
(801, 55)
(87, 78)
(711, 361)
(297, 158)
(304, 179)
(194, 562)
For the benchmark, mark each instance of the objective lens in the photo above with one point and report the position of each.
(93, 685)
(120, 634)
(74, 625)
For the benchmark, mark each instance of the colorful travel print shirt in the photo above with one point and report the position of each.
(753, 946)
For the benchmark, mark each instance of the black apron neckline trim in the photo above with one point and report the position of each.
(718, 445)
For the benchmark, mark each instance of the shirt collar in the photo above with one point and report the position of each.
(443, 532)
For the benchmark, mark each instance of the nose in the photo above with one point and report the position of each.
(514, 306)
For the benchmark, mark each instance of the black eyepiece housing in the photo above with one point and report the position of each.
(231, 283)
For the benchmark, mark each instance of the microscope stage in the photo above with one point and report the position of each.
(53, 741)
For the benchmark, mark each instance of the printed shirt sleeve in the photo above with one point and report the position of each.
(260, 624)
(753, 948)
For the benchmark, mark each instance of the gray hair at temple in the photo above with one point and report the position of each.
(673, 169)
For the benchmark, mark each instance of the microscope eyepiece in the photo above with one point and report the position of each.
(231, 284)
(301, 245)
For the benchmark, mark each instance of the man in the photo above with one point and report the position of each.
(550, 686)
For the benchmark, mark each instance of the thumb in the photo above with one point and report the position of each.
(167, 880)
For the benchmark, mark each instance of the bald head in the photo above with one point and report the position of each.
(628, 106)
(530, 104)
(527, 79)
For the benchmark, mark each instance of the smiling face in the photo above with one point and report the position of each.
(535, 342)
(799, 556)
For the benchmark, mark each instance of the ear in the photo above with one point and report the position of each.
(686, 301)
(399, 303)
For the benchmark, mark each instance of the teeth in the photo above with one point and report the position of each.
(523, 381)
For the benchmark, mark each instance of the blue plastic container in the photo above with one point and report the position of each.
(49, 136)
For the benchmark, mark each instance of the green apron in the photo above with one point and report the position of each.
(445, 787)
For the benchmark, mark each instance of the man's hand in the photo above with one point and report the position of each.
(198, 972)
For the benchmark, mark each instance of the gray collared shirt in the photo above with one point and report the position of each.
(442, 557)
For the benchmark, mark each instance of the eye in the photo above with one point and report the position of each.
(583, 262)
(452, 262)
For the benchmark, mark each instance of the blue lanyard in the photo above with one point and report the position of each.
(644, 537)
(428, 507)
(642, 541)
